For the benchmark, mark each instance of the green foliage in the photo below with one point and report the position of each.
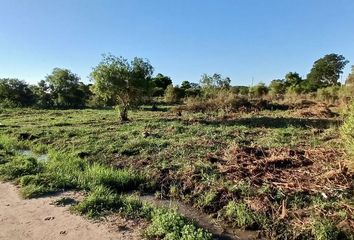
(277, 87)
(169, 225)
(161, 81)
(99, 200)
(15, 93)
(347, 133)
(210, 84)
(325, 230)
(350, 78)
(258, 90)
(240, 90)
(118, 180)
(328, 94)
(292, 79)
(241, 216)
(65, 89)
(326, 71)
(128, 82)
(20, 166)
(173, 94)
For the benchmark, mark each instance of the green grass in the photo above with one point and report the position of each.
(243, 217)
(89, 150)
(100, 199)
(20, 166)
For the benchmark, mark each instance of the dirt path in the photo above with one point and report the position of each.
(37, 219)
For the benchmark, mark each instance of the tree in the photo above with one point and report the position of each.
(65, 88)
(186, 85)
(277, 87)
(326, 71)
(128, 82)
(258, 90)
(42, 94)
(161, 81)
(14, 92)
(215, 81)
(350, 78)
(292, 79)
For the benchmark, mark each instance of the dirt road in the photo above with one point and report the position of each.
(38, 219)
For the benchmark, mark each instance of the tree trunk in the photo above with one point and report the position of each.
(124, 114)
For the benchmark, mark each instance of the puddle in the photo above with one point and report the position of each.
(202, 220)
(29, 153)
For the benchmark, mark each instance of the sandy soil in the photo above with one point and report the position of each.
(39, 219)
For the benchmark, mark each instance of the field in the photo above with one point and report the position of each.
(274, 174)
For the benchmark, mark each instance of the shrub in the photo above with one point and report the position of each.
(328, 94)
(169, 225)
(347, 133)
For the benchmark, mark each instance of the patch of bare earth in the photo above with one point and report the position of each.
(40, 219)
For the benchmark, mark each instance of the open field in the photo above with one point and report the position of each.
(275, 174)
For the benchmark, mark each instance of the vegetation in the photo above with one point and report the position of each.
(116, 78)
(266, 159)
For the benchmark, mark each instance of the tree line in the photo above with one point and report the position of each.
(116, 81)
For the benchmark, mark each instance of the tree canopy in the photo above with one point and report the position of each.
(128, 82)
(326, 71)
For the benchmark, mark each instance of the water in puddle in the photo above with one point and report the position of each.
(202, 220)
(29, 153)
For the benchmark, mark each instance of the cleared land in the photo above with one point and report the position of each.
(279, 174)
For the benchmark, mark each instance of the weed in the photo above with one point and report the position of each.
(99, 200)
(242, 216)
(169, 225)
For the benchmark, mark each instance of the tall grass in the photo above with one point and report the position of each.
(347, 133)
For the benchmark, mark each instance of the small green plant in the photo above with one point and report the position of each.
(324, 230)
(169, 225)
(99, 200)
(241, 216)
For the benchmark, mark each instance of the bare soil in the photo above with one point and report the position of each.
(40, 219)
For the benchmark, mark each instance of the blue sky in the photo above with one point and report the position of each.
(244, 39)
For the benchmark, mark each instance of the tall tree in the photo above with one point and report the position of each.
(65, 88)
(128, 82)
(292, 79)
(215, 81)
(15, 92)
(161, 81)
(326, 71)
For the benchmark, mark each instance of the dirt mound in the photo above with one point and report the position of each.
(290, 170)
(317, 110)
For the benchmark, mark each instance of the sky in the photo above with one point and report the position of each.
(249, 41)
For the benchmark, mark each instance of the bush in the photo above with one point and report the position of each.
(328, 94)
(224, 100)
(347, 133)
(169, 225)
